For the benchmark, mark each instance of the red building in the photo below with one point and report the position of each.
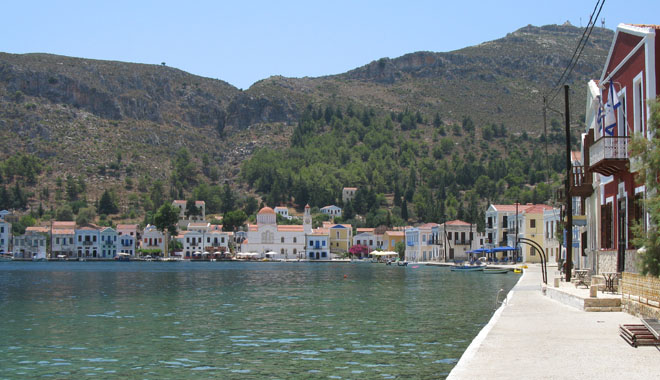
(609, 192)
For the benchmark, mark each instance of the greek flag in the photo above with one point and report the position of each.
(612, 104)
(599, 115)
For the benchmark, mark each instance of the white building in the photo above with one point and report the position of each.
(62, 239)
(5, 235)
(317, 245)
(152, 239)
(331, 210)
(419, 243)
(183, 219)
(32, 244)
(455, 238)
(283, 211)
(128, 237)
(550, 228)
(267, 236)
(87, 241)
(366, 237)
(108, 243)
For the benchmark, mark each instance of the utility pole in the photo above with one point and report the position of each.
(567, 190)
(545, 137)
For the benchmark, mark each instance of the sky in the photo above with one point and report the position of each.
(242, 42)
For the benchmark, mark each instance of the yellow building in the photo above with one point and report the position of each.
(390, 238)
(341, 237)
(531, 226)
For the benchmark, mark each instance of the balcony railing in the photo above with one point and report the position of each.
(609, 154)
(580, 182)
(87, 243)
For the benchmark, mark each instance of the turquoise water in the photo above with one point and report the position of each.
(230, 320)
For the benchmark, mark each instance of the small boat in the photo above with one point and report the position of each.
(467, 268)
(496, 271)
(517, 270)
(122, 256)
(402, 263)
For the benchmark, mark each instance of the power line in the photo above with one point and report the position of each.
(578, 50)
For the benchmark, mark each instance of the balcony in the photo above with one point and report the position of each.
(87, 243)
(609, 155)
(580, 182)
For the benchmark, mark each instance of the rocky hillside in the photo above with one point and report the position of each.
(116, 122)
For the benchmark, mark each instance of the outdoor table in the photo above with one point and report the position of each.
(610, 277)
(580, 277)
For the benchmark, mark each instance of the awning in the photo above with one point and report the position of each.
(383, 253)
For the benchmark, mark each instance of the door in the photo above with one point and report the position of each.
(621, 232)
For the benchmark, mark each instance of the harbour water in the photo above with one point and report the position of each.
(233, 320)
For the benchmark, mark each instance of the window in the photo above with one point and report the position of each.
(295, 251)
(324, 243)
(606, 226)
(532, 223)
(282, 239)
(621, 115)
(638, 100)
(295, 240)
(311, 243)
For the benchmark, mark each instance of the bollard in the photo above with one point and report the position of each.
(557, 279)
(593, 291)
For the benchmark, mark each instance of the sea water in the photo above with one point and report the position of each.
(238, 320)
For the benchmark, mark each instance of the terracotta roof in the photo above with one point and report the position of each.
(198, 224)
(127, 226)
(652, 26)
(537, 209)
(319, 233)
(63, 231)
(428, 225)
(290, 228)
(266, 210)
(457, 223)
(179, 202)
(107, 228)
(215, 227)
(88, 228)
(324, 231)
(350, 188)
(61, 224)
(253, 227)
(395, 233)
(199, 203)
(512, 208)
(281, 208)
(37, 229)
(365, 230)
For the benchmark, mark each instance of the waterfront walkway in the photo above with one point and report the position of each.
(535, 337)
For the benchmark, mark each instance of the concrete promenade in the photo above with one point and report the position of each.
(535, 337)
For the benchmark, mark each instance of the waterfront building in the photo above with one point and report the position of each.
(606, 183)
(152, 238)
(32, 244)
(551, 225)
(419, 243)
(390, 238)
(332, 210)
(317, 245)
(5, 235)
(286, 240)
(87, 241)
(128, 236)
(193, 243)
(453, 239)
(217, 240)
(341, 237)
(108, 244)
(62, 238)
(530, 227)
(347, 194)
(366, 237)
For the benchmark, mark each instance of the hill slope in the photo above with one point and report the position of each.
(116, 123)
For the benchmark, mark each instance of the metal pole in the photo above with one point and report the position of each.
(567, 189)
(545, 137)
(515, 255)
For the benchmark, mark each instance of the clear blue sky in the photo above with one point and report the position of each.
(242, 42)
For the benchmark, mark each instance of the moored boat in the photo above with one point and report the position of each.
(467, 268)
(496, 271)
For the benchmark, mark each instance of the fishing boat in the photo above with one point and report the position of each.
(467, 268)
(496, 271)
